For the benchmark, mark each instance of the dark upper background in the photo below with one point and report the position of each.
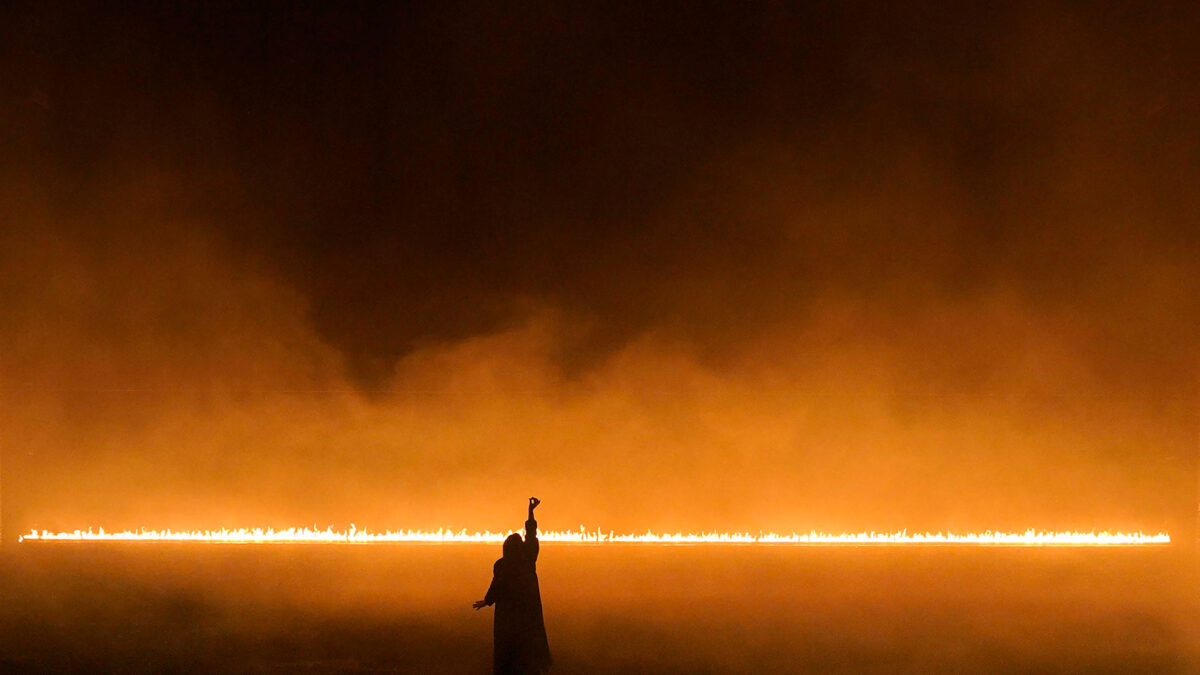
(984, 201)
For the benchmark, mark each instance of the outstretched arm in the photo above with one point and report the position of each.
(531, 541)
(489, 599)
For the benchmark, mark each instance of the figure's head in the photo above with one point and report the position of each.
(512, 545)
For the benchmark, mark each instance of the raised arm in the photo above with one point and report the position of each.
(531, 541)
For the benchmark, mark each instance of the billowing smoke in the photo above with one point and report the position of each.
(780, 269)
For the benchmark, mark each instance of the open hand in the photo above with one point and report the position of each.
(479, 604)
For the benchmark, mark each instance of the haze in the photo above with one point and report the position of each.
(840, 267)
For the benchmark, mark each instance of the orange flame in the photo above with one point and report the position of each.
(582, 536)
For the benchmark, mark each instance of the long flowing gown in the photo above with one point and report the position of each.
(518, 630)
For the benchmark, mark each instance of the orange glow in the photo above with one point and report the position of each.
(584, 536)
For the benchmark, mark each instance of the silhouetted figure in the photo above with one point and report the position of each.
(518, 630)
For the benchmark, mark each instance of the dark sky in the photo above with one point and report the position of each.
(935, 245)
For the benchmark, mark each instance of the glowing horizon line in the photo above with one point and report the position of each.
(353, 535)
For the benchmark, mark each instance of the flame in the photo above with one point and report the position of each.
(583, 536)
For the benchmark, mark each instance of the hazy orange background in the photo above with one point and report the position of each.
(952, 286)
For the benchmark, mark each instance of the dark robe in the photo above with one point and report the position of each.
(518, 630)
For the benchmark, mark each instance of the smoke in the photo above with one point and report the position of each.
(608, 610)
(783, 269)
